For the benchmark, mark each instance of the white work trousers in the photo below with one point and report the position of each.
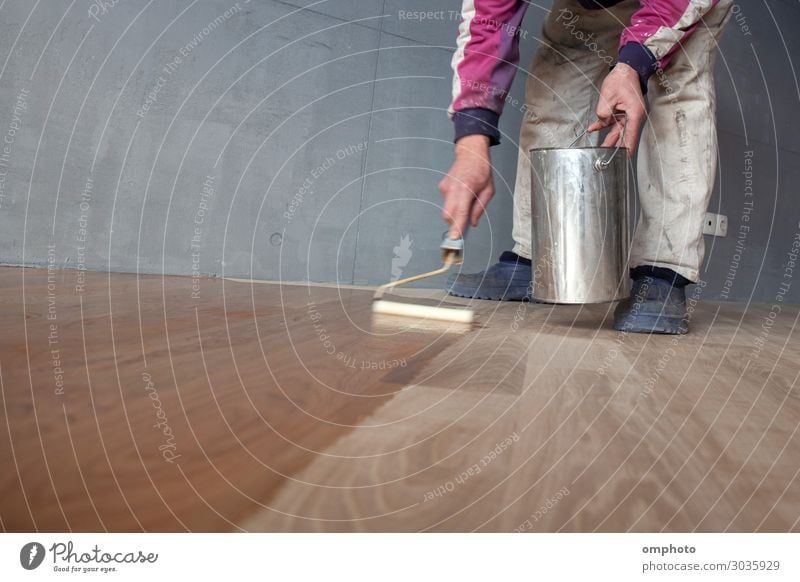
(677, 156)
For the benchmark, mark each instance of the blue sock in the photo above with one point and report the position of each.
(663, 273)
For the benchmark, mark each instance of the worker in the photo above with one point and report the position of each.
(601, 57)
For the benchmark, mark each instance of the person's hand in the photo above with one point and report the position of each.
(468, 185)
(621, 93)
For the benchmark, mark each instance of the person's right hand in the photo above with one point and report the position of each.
(468, 185)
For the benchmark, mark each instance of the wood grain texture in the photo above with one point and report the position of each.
(289, 409)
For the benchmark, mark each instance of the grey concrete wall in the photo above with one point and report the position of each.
(300, 140)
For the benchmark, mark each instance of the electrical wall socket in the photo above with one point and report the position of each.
(715, 224)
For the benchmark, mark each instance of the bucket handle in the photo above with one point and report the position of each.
(601, 163)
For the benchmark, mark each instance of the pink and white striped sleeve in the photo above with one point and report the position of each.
(484, 64)
(657, 30)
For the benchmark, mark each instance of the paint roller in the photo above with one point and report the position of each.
(452, 254)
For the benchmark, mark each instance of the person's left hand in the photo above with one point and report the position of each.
(621, 93)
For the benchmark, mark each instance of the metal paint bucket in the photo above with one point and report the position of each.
(579, 204)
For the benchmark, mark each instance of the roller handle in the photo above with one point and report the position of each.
(452, 249)
(452, 254)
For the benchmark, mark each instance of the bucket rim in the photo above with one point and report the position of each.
(597, 148)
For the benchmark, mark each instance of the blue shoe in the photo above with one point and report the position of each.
(510, 279)
(655, 306)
